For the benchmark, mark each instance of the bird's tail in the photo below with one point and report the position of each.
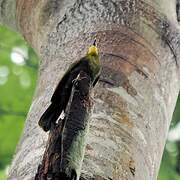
(49, 117)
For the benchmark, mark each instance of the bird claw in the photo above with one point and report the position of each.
(78, 78)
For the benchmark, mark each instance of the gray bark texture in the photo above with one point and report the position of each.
(139, 42)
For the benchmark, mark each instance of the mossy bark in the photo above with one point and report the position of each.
(66, 144)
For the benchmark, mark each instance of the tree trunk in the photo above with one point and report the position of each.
(139, 42)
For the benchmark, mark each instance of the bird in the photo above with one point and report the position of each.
(91, 65)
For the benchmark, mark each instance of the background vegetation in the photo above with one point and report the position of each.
(18, 73)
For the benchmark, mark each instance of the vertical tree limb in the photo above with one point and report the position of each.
(67, 140)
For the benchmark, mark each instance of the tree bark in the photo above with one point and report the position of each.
(139, 42)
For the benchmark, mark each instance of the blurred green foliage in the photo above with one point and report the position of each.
(170, 155)
(18, 73)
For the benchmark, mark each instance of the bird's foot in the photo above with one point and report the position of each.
(78, 78)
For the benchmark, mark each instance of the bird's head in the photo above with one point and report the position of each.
(93, 50)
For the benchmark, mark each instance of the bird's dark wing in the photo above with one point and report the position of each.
(67, 79)
(61, 95)
(51, 114)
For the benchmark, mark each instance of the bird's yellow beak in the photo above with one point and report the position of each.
(93, 50)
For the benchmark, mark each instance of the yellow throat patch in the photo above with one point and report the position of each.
(93, 50)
